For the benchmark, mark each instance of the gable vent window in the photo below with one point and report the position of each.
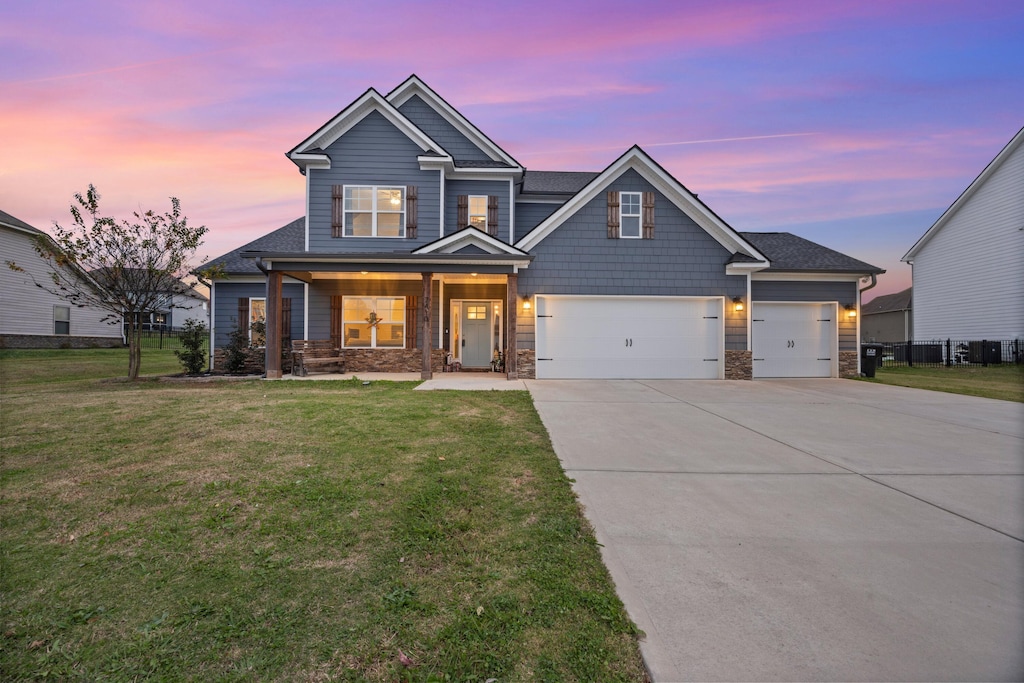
(630, 215)
(370, 211)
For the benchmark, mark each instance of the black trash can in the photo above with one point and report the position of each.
(870, 358)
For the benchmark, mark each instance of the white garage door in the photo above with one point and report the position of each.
(620, 337)
(794, 339)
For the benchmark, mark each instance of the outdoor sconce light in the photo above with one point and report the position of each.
(851, 311)
(737, 303)
(526, 303)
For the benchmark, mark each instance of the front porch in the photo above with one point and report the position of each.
(401, 313)
(456, 381)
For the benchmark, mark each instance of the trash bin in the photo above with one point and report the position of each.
(870, 358)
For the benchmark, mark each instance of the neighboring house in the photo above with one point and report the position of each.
(968, 268)
(423, 238)
(176, 304)
(31, 317)
(887, 318)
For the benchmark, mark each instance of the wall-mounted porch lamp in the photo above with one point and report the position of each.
(737, 303)
(851, 311)
(526, 303)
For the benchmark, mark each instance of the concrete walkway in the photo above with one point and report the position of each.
(804, 530)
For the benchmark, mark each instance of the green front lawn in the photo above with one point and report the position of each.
(1004, 381)
(319, 531)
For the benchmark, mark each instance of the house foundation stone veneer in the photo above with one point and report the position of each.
(38, 341)
(526, 362)
(848, 361)
(739, 365)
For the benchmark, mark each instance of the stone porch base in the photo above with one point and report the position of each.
(739, 365)
(848, 364)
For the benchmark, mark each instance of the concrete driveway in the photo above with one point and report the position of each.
(804, 529)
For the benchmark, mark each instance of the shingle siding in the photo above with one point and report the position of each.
(842, 293)
(440, 131)
(968, 281)
(681, 260)
(373, 152)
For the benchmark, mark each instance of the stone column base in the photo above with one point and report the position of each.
(739, 365)
(848, 361)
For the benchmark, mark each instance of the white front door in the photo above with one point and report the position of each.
(629, 337)
(794, 339)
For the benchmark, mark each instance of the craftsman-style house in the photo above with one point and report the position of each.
(424, 240)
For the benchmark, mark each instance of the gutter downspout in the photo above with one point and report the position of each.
(860, 297)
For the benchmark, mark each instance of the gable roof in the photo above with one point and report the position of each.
(312, 148)
(993, 165)
(637, 159)
(290, 237)
(10, 221)
(789, 253)
(900, 301)
(469, 237)
(415, 86)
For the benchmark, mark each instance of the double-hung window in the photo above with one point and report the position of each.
(62, 320)
(373, 322)
(478, 212)
(374, 211)
(629, 217)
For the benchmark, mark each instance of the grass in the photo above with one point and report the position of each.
(290, 531)
(1005, 381)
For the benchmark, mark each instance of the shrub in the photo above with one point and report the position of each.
(193, 342)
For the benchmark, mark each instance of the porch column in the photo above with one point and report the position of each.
(273, 323)
(425, 336)
(512, 308)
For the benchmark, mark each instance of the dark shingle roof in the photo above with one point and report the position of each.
(289, 238)
(480, 163)
(8, 219)
(787, 252)
(900, 301)
(556, 182)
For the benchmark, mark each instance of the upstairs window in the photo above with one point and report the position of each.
(62, 320)
(478, 212)
(629, 219)
(374, 211)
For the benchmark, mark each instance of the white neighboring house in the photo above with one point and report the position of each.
(968, 268)
(31, 317)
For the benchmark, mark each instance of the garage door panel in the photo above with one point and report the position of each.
(628, 337)
(794, 339)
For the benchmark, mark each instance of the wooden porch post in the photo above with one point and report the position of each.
(512, 309)
(273, 325)
(425, 337)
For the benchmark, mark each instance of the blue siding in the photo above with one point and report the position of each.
(225, 313)
(842, 292)
(531, 214)
(440, 131)
(373, 152)
(681, 260)
(454, 188)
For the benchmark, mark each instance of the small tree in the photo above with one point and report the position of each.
(125, 268)
(236, 351)
(193, 340)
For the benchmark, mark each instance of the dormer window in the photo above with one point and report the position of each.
(374, 211)
(478, 212)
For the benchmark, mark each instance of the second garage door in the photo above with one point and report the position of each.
(618, 337)
(794, 339)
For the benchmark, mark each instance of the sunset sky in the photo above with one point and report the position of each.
(853, 124)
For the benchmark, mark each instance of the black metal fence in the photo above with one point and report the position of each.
(952, 353)
(166, 339)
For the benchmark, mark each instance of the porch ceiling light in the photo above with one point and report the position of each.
(737, 303)
(473, 274)
(364, 272)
